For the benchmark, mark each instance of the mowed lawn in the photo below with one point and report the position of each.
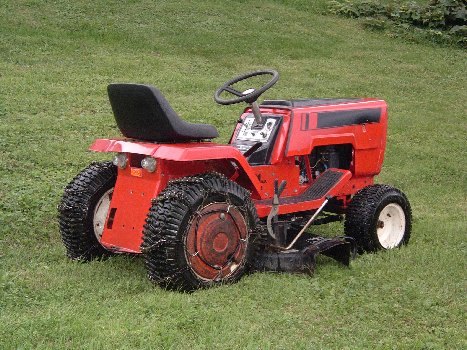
(56, 59)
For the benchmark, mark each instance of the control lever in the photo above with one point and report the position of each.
(252, 149)
(272, 217)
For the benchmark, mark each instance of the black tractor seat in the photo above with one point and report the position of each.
(143, 113)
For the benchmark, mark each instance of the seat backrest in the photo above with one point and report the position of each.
(142, 113)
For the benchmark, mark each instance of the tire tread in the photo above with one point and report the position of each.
(170, 211)
(74, 221)
(361, 212)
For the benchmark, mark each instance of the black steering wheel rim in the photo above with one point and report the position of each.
(249, 97)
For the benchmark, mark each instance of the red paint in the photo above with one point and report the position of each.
(136, 187)
(131, 200)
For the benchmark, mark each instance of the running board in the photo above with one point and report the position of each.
(328, 184)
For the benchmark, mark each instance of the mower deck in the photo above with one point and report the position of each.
(302, 259)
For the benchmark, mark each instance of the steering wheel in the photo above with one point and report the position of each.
(250, 95)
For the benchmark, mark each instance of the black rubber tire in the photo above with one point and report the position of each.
(362, 215)
(76, 210)
(168, 223)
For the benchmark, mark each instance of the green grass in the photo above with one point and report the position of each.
(56, 59)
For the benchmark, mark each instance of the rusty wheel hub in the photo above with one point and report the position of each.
(216, 241)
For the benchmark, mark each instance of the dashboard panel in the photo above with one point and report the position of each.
(251, 133)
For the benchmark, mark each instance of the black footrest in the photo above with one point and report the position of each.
(317, 190)
(321, 186)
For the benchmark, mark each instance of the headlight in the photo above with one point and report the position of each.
(149, 163)
(120, 160)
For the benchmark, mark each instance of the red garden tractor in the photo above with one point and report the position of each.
(203, 213)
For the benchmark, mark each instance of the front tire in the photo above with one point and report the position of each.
(379, 217)
(83, 211)
(198, 233)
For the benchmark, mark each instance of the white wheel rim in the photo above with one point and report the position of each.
(390, 226)
(100, 213)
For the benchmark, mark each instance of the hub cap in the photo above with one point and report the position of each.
(390, 227)
(216, 241)
(100, 213)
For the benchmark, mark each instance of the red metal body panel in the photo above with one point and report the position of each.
(136, 187)
(130, 204)
(188, 152)
(368, 140)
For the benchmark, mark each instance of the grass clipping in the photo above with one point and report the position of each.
(439, 21)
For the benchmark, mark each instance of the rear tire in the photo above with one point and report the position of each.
(83, 211)
(198, 233)
(379, 217)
